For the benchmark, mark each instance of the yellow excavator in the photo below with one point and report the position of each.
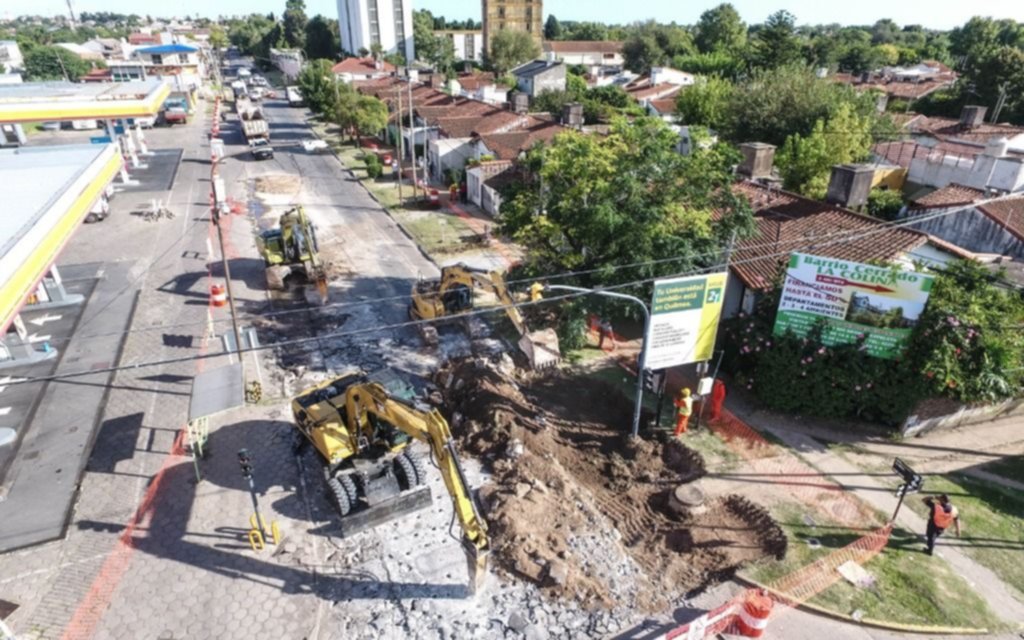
(363, 434)
(291, 249)
(451, 295)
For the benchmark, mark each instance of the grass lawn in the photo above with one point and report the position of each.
(993, 523)
(910, 587)
(1011, 467)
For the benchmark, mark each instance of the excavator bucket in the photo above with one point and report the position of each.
(276, 276)
(321, 285)
(541, 348)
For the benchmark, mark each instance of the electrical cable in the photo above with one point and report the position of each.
(428, 321)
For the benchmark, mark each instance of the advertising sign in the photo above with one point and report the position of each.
(854, 299)
(684, 320)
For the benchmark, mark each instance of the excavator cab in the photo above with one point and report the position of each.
(362, 434)
(291, 251)
(453, 295)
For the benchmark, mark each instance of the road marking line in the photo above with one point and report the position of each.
(6, 380)
(35, 337)
(4, 411)
(45, 318)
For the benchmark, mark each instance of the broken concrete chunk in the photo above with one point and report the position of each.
(558, 573)
(517, 622)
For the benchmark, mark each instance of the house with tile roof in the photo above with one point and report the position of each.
(480, 86)
(599, 53)
(972, 219)
(537, 76)
(367, 68)
(786, 222)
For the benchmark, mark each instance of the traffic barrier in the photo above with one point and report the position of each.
(435, 200)
(753, 615)
(218, 295)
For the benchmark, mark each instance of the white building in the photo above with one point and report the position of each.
(468, 45)
(364, 23)
(179, 64)
(10, 57)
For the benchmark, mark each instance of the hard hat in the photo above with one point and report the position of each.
(685, 392)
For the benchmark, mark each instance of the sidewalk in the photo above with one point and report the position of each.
(865, 487)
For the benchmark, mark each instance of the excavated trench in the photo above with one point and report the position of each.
(578, 507)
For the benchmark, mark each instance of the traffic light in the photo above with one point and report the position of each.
(653, 380)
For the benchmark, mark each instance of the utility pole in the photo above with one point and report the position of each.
(227, 284)
(401, 145)
(412, 142)
(642, 361)
(71, 12)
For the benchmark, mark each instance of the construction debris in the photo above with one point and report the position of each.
(576, 507)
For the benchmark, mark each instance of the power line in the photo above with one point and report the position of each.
(425, 321)
(557, 276)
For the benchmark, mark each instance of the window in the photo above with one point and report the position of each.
(399, 23)
(157, 58)
(469, 48)
(501, 13)
(371, 10)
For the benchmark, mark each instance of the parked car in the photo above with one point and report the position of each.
(50, 126)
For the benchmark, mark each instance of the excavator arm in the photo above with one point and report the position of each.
(430, 427)
(491, 281)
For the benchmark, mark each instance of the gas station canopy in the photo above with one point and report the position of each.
(43, 101)
(47, 192)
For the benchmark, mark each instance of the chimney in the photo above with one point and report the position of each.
(572, 115)
(882, 102)
(519, 102)
(758, 159)
(850, 185)
(550, 57)
(972, 116)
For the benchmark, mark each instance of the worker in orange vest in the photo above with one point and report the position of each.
(942, 514)
(684, 409)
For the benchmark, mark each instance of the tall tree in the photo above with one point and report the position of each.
(721, 30)
(621, 198)
(976, 39)
(438, 50)
(54, 63)
(218, 38)
(706, 103)
(552, 28)
(777, 44)
(295, 24)
(652, 44)
(806, 162)
(322, 40)
(319, 86)
(510, 49)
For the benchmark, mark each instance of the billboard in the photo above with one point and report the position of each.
(855, 299)
(684, 320)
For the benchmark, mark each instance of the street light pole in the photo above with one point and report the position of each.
(642, 361)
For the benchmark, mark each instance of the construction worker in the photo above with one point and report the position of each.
(684, 409)
(942, 514)
(717, 399)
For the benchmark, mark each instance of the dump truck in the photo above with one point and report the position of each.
(362, 435)
(291, 253)
(247, 109)
(452, 296)
(257, 134)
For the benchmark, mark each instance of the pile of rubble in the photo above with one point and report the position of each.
(578, 508)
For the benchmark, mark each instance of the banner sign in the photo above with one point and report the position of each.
(684, 320)
(882, 304)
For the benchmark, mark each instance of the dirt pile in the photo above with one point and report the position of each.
(579, 508)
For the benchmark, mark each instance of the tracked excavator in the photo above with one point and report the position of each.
(363, 434)
(453, 295)
(291, 249)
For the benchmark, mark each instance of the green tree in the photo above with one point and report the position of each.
(318, 86)
(885, 203)
(322, 39)
(706, 103)
(510, 49)
(437, 50)
(218, 37)
(777, 44)
(54, 63)
(552, 28)
(358, 114)
(641, 52)
(295, 24)
(975, 39)
(718, 63)
(775, 103)
(652, 44)
(585, 31)
(621, 198)
(805, 162)
(721, 30)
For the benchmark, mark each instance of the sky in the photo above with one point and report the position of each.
(937, 14)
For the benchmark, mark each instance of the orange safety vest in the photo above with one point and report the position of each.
(684, 406)
(942, 519)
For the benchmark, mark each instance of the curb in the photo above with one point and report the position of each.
(867, 622)
(374, 197)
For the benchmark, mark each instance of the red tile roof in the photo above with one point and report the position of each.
(660, 90)
(951, 128)
(364, 66)
(949, 196)
(454, 108)
(1008, 213)
(901, 152)
(143, 38)
(494, 121)
(583, 46)
(508, 146)
(473, 81)
(787, 222)
(664, 106)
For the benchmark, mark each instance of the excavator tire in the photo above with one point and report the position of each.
(349, 485)
(417, 465)
(338, 496)
(405, 472)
